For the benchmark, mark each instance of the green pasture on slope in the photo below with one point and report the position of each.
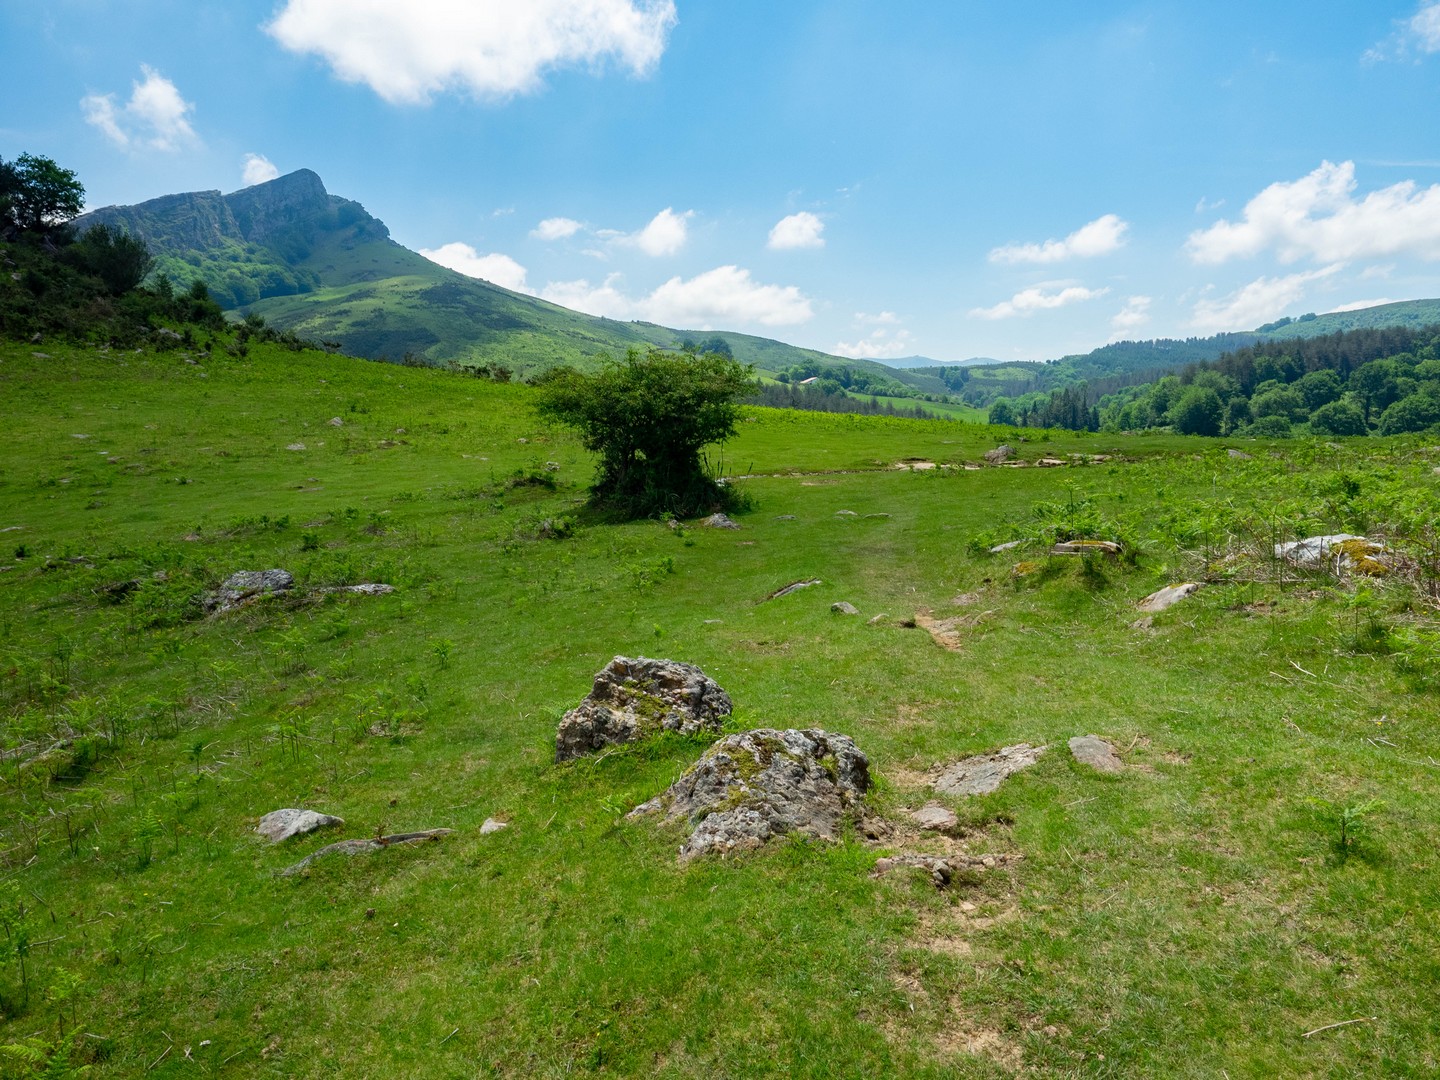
(1193, 916)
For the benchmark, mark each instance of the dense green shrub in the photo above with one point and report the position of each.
(649, 417)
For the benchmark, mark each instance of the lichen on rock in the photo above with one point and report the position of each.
(755, 785)
(634, 698)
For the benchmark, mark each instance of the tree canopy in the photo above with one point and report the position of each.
(37, 195)
(649, 417)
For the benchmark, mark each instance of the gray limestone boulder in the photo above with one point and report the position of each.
(634, 698)
(245, 585)
(718, 521)
(280, 825)
(844, 607)
(1000, 454)
(755, 785)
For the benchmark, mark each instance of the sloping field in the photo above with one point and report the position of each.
(1198, 913)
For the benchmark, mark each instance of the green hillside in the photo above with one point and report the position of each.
(1407, 314)
(1261, 866)
(322, 267)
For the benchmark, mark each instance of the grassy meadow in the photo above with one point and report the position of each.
(1196, 915)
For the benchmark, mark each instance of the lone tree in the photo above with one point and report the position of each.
(649, 417)
(37, 195)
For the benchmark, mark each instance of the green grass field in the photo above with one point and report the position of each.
(1196, 915)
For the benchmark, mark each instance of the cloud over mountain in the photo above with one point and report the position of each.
(156, 116)
(409, 52)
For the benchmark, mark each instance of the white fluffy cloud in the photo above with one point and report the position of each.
(156, 116)
(665, 235)
(1135, 313)
(556, 228)
(1318, 217)
(880, 344)
(258, 169)
(802, 230)
(1261, 301)
(1028, 301)
(726, 295)
(493, 49)
(1099, 237)
(1425, 27)
(500, 269)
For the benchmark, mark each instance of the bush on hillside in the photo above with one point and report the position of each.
(649, 417)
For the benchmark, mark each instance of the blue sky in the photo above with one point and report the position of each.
(870, 178)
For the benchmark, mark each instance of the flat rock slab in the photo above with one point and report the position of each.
(983, 773)
(1086, 547)
(718, 521)
(492, 825)
(1168, 596)
(364, 847)
(794, 586)
(369, 588)
(1097, 753)
(755, 785)
(1010, 545)
(279, 825)
(634, 698)
(935, 816)
(1239, 455)
(844, 607)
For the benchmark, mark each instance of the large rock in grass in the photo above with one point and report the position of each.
(634, 698)
(1337, 553)
(754, 785)
(280, 825)
(245, 585)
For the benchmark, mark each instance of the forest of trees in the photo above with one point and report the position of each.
(1368, 381)
(817, 398)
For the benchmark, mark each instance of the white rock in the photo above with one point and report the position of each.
(281, 825)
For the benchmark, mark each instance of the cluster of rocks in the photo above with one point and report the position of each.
(748, 787)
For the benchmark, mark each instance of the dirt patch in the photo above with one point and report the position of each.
(946, 632)
(963, 1036)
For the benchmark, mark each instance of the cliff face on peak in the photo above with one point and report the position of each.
(264, 210)
(250, 245)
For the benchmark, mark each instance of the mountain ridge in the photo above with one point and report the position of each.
(322, 266)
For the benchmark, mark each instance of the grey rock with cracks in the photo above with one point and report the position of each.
(280, 825)
(635, 698)
(755, 785)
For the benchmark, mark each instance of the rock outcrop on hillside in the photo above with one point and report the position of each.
(633, 698)
(754, 785)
